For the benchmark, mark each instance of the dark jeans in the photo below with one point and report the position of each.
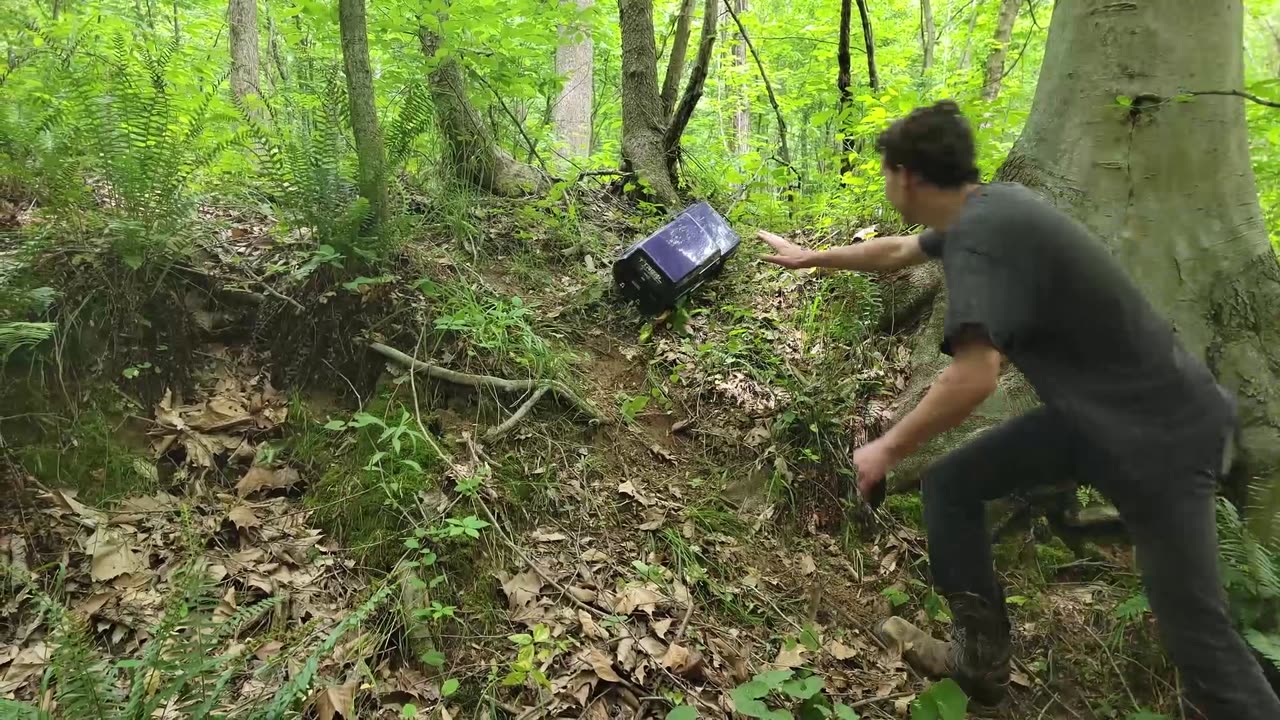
(1171, 519)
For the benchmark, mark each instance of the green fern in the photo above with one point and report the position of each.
(1251, 576)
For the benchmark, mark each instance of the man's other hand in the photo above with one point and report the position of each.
(873, 461)
(787, 254)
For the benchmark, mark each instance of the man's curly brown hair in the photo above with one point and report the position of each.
(934, 142)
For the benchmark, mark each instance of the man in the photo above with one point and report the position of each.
(1125, 408)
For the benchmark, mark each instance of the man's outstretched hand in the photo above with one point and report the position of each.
(787, 254)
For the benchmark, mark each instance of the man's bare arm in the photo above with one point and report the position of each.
(958, 391)
(874, 255)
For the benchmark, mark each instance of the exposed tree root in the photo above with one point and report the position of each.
(538, 387)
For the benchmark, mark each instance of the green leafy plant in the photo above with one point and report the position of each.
(942, 701)
(1251, 577)
(784, 694)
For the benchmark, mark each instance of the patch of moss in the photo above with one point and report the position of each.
(101, 453)
(364, 491)
(907, 508)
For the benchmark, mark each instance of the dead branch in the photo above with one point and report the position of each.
(480, 381)
(1240, 94)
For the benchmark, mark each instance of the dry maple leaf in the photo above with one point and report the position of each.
(260, 478)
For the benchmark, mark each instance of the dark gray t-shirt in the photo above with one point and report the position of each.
(1053, 300)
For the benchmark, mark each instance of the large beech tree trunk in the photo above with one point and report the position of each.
(1169, 187)
(370, 152)
(572, 112)
(995, 61)
(470, 147)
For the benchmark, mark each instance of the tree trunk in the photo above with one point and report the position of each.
(642, 117)
(843, 80)
(364, 114)
(242, 22)
(697, 80)
(572, 112)
(470, 148)
(675, 63)
(966, 56)
(1169, 187)
(927, 34)
(995, 61)
(742, 116)
(868, 39)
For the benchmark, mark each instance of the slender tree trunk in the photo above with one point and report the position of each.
(571, 114)
(675, 63)
(1169, 187)
(784, 150)
(242, 22)
(742, 116)
(697, 80)
(966, 56)
(995, 61)
(869, 40)
(927, 34)
(470, 147)
(364, 114)
(843, 80)
(274, 42)
(642, 116)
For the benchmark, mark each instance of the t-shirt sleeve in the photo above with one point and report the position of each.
(987, 296)
(931, 243)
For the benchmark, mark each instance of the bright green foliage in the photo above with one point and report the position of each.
(942, 701)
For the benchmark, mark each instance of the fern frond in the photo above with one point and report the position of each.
(21, 711)
(17, 335)
(1268, 645)
(86, 685)
(301, 683)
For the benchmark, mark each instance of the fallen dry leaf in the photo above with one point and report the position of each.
(334, 701)
(590, 627)
(242, 516)
(264, 478)
(628, 488)
(681, 660)
(637, 597)
(226, 606)
(807, 565)
(545, 536)
(113, 555)
(594, 555)
(661, 628)
(522, 589)
(582, 594)
(600, 663)
(840, 651)
(792, 658)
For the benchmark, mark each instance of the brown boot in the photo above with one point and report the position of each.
(977, 657)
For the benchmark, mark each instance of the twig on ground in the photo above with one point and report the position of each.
(478, 381)
(684, 624)
(882, 698)
(498, 431)
(1114, 665)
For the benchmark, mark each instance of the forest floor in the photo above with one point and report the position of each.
(666, 523)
